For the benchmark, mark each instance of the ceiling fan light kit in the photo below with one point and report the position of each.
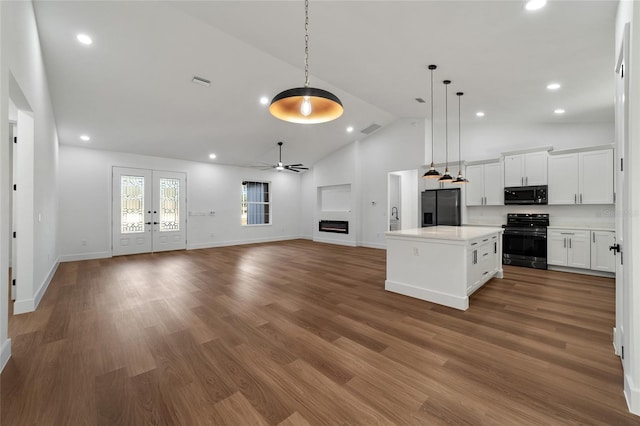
(306, 105)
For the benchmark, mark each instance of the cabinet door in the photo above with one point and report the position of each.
(556, 248)
(493, 187)
(475, 187)
(602, 259)
(596, 177)
(514, 170)
(563, 179)
(535, 167)
(579, 250)
(473, 267)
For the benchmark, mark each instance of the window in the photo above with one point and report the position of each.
(255, 203)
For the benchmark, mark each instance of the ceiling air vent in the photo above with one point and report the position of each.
(420, 100)
(201, 81)
(372, 128)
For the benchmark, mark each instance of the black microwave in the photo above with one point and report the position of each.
(525, 195)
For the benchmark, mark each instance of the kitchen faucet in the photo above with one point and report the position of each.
(396, 213)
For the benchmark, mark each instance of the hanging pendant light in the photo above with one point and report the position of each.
(432, 173)
(446, 177)
(460, 179)
(306, 105)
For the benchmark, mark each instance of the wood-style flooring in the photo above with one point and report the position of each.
(298, 333)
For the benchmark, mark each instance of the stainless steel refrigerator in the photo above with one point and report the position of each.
(441, 207)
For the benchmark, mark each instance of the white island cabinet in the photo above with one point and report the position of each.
(443, 264)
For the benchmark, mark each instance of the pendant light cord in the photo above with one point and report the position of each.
(446, 124)
(459, 137)
(432, 141)
(306, 43)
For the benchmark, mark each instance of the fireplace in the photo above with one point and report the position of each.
(337, 226)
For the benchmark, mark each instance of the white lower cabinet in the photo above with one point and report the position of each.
(569, 248)
(581, 248)
(603, 259)
(483, 262)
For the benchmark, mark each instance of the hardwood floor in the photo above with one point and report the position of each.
(298, 333)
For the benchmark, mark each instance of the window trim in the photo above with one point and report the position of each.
(268, 203)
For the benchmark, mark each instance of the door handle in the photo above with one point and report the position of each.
(147, 223)
(156, 223)
(526, 181)
(615, 248)
(575, 198)
(594, 236)
(580, 198)
(522, 181)
(564, 244)
(569, 242)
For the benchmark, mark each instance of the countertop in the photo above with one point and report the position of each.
(455, 233)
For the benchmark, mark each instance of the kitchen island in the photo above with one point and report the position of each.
(443, 264)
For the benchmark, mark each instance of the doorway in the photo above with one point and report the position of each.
(149, 211)
(402, 200)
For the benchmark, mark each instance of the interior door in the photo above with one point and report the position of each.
(149, 211)
(622, 186)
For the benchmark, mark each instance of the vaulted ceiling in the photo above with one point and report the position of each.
(131, 89)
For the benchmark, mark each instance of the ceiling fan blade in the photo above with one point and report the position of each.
(265, 167)
(295, 165)
(299, 168)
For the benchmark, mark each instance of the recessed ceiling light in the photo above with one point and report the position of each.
(553, 86)
(535, 4)
(84, 39)
(264, 100)
(558, 111)
(212, 156)
(479, 114)
(350, 129)
(85, 138)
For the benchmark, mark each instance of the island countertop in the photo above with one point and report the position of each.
(455, 233)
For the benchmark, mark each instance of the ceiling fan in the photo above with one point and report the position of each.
(279, 166)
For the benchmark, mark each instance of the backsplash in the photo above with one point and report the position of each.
(589, 216)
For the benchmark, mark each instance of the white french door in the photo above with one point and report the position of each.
(149, 211)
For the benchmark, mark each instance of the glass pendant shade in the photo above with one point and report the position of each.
(306, 105)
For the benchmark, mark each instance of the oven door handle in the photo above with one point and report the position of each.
(526, 233)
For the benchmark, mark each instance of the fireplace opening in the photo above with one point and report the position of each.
(337, 226)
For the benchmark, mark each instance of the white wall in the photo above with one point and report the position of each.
(85, 201)
(21, 64)
(484, 141)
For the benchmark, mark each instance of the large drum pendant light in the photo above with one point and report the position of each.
(446, 177)
(460, 179)
(432, 173)
(306, 105)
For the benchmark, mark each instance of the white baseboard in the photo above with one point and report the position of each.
(373, 245)
(5, 353)
(30, 305)
(338, 242)
(445, 299)
(581, 271)
(85, 256)
(213, 244)
(632, 395)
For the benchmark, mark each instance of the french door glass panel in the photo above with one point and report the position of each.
(148, 211)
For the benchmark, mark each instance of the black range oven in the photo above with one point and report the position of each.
(524, 242)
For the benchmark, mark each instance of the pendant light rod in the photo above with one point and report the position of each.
(306, 104)
(432, 173)
(460, 179)
(446, 177)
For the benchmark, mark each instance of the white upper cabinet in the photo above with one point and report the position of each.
(528, 169)
(596, 177)
(485, 186)
(581, 177)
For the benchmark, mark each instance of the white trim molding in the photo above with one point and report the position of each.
(85, 256)
(632, 395)
(30, 305)
(5, 353)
